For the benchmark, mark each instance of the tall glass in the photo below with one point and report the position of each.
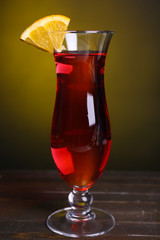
(80, 134)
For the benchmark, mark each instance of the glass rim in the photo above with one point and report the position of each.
(85, 31)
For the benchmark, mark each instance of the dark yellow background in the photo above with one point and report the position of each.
(28, 81)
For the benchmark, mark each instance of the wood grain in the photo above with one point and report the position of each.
(28, 197)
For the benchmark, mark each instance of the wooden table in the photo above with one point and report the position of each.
(28, 197)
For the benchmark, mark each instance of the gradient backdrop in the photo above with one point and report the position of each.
(28, 81)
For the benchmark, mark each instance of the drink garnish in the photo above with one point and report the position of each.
(42, 33)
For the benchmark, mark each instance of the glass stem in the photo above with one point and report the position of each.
(80, 202)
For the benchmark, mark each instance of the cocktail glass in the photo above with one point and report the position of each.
(80, 134)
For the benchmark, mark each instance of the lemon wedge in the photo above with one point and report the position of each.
(42, 33)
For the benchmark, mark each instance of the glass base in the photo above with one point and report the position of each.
(58, 223)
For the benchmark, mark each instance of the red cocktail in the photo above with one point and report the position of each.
(80, 136)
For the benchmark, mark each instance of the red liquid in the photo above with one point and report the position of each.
(80, 135)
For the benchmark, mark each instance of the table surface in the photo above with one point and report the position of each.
(28, 197)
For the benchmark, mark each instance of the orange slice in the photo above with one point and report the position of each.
(42, 33)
